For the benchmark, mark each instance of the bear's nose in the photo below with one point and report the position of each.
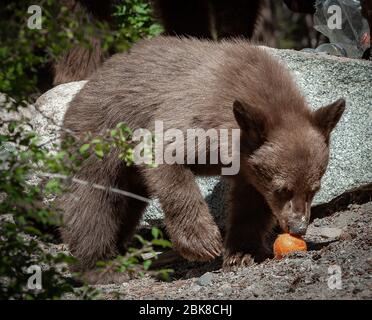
(298, 228)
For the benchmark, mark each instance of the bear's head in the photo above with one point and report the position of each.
(285, 156)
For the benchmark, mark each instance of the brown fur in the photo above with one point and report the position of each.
(81, 61)
(189, 83)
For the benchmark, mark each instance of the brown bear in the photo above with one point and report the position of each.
(190, 83)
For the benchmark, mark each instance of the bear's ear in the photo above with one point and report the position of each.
(326, 118)
(249, 119)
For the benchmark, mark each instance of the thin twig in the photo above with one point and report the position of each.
(94, 185)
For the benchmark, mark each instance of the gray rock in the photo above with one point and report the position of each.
(317, 222)
(342, 220)
(330, 233)
(50, 109)
(323, 233)
(6, 218)
(205, 279)
(323, 79)
(213, 189)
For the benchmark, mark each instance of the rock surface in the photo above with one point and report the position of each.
(322, 79)
(50, 109)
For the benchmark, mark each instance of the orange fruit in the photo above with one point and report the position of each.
(286, 243)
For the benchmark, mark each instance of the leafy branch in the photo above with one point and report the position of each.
(138, 261)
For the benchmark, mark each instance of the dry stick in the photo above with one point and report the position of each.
(94, 185)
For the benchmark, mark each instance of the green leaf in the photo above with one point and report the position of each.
(53, 186)
(32, 230)
(147, 264)
(155, 232)
(96, 141)
(140, 239)
(12, 126)
(164, 274)
(99, 152)
(162, 243)
(101, 264)
(84, 148)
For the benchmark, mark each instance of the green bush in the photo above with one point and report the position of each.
(135, 22)
(23, 210)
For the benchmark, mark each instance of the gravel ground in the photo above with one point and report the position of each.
(339, 243)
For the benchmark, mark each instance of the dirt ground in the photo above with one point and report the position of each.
(338, 265)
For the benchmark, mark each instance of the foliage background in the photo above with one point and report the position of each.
(26, 56)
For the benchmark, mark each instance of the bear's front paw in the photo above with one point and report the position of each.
(237, 259)
(199, 243)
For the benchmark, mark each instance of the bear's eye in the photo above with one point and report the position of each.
(284, 193)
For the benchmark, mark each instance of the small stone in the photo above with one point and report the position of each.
(195, 288)
(325, 232)
(356, 290)
(316, 222)
(256, 291)
(6, 218)
(369, 261)
(316, 256)
(342, 221)
(226, 289)
(205, 279)
(332, 233)
(366, 294)
(346, 236)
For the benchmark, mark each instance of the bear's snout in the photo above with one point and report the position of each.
(298, 219)
(297, 227)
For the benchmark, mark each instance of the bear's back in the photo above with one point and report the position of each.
(178, 80)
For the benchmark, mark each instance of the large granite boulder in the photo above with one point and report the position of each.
(323, 79)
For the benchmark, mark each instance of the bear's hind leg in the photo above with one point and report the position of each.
(94, 215)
